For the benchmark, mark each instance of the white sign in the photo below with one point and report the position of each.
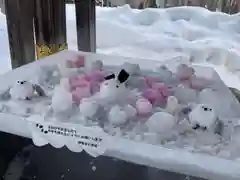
(75, 136)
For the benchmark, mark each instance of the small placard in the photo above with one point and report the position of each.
(75, 136)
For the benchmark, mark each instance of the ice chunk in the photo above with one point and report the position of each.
(88, 107)
(160, 122)
(117, 115)
(165, 74)
(132, 69)
(130, 111)
(137, 82)
(185, 95)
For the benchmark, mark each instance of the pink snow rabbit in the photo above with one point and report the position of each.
(96, 76)
(158, 94)
(79, 93)
(78, 81)
(80, 87)
(77, 62)
(153, 96)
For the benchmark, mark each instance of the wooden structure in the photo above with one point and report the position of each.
(37, 28)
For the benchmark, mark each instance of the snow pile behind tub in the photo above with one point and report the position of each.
(205, 37)
(224, 145)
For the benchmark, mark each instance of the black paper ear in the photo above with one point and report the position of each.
(123, 76)
(112, 76)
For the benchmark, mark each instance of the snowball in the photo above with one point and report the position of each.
(61, 100)
(172, 104)
(22, 90)
(88, 107)
(165, 74)
(203, 115)
(117, 116)
(143, 106)
(160, 122)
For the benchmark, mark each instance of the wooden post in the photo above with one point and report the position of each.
(2, 6)
(50, 27)
(86, 25)
(19, 15)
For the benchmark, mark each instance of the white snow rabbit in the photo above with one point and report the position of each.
(24, 90)
(113, 89)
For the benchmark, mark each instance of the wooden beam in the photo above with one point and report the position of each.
(50, 27)
(86, 25)
(19, 15)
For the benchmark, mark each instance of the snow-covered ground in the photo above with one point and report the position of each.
(188, 34)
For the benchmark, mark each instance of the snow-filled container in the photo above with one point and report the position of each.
(178, 118)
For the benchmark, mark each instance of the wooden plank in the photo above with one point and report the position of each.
(19, 15)
(86, 25)
(50, 27)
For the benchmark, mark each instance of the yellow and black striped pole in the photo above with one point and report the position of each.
(50, 27)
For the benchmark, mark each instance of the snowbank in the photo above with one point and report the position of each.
(192, 33)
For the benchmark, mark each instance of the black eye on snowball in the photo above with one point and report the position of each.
(112, 76)
(117, 86)
(205, 109)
